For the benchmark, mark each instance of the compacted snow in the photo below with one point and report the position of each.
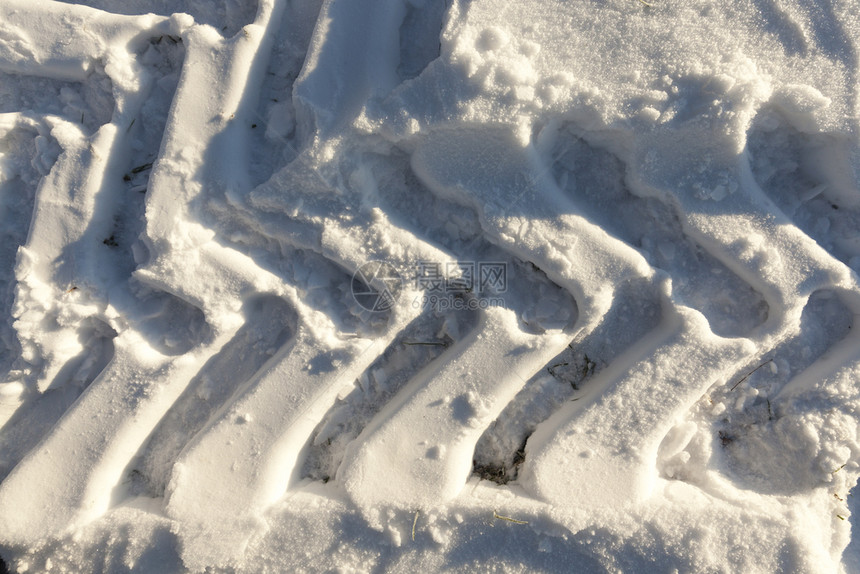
(429, 285)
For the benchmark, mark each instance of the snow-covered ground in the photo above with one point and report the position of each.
(429, 285)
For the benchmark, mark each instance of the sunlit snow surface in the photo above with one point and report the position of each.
(429, 285)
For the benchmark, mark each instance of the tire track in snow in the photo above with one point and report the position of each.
(738, 240)
(27, 153)
(126, 412)
(216, 241)
(263, 461)
(584, 269)
(75, 107)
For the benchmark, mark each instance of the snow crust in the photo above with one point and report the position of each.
(198, 200)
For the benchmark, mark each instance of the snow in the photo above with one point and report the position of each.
(437, 285)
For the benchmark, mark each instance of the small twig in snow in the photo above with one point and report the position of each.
(745, 377)
(141, 167)
(498, 516)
